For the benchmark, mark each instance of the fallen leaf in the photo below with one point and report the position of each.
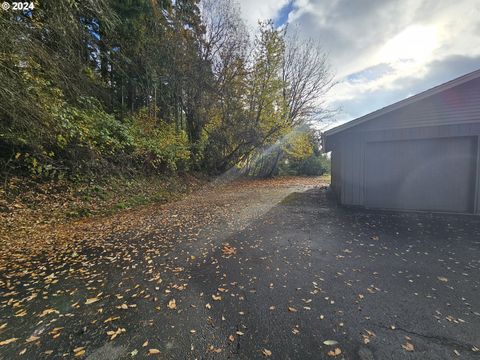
(172, 304)
(292, 309)
(91, 301)
(21, 313)
(335, 352)
(79, 351)
(8, 341)
(228, 250)
(47, 312)
(442, 278)
(330, 342)
(111, 318)
(153, 351)
(114, 334)
(216, 298)
(408, 346)
(32, 338)
(266, 352)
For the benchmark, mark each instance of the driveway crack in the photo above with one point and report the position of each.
(442, 340)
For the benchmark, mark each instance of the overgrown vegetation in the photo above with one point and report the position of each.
(114, 86)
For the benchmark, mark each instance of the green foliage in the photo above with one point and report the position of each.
(90, 126)
(314, 165)
(97, 85)
(160, 143)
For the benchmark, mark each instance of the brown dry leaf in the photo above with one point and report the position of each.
(408, 346)
(79, 351)
(145, 343)
(335, 352)
(442, 278)
(111, 318)
(153, 351)
(292, 309)
(114, 334)
(91, 301)
(216, 298)
(8, 341)
(366, 338)
(47, 312)
(21, 313)
(239, 333)
(231, 338)
(266, 352)
(32, 338)
(208, 306)
(228, 250)
(22, 352)
(172, 305)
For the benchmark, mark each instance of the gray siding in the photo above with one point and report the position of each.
(452, 114)
(435, 174)
(460, 104)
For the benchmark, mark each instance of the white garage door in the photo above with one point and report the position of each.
(428, 174)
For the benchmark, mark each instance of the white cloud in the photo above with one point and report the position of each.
(254, 10)
(384, 50)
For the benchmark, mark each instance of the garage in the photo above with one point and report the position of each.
(396, 171)
(419, 154)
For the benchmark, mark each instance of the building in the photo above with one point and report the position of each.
(421, 153)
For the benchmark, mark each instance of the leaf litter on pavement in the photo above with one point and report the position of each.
(156, 272)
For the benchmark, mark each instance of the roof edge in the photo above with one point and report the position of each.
(402, 103)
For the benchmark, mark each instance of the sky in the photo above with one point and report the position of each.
(381, 51)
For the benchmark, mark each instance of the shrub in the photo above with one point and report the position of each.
(158, 143)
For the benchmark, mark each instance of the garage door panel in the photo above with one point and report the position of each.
(429, 174)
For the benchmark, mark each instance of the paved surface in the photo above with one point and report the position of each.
(300, 271)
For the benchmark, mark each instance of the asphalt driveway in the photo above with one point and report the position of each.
(249, 270)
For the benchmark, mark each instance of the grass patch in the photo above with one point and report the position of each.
(62, 201)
